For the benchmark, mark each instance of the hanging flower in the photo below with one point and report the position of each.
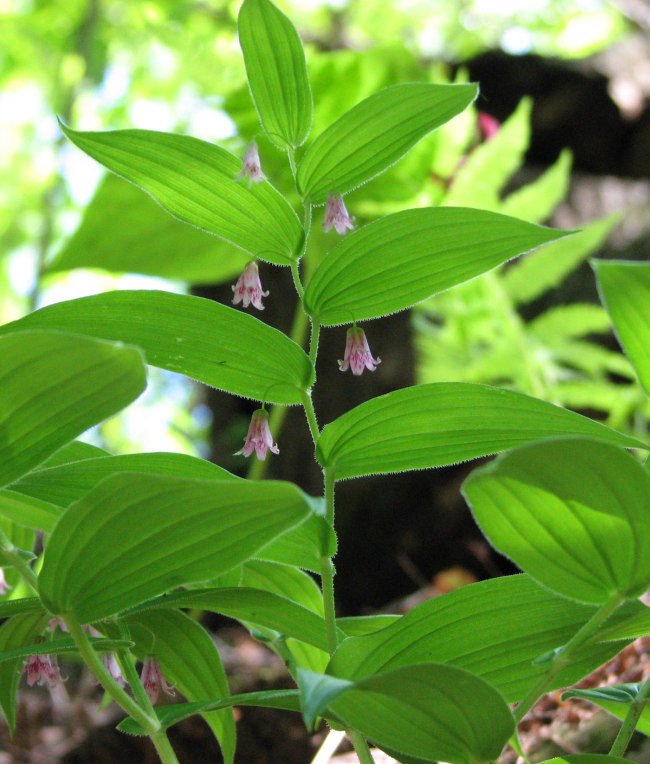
(110, 662)
(259, 438)
(337, 215)
(153, 680)
(248, 289)
(4, 586)
(357, 353)
(251, 167)
(488, 124)
(42, 669)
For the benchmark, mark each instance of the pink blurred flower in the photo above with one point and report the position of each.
(259, 438)
(251, 167)
(42, 669)
(357, 353)
(4, 586)
(110, 661)
(248, 289)
(337, 215)
(153, 680)
(488, 124)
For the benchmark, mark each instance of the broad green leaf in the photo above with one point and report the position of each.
(573, 514)
(195, 182)
(445, 423)
(534, 275)
(73, 452)
(16, 632)
(68, 482)
(9, 608)
(262, 608)
(401, 259)
(536, 201)
(617, 693)
(375, 133)
(625, 292)
(28, 511)
(276, 71)
(303, 546)
(53, 386)
(180, 253)
(202, 339)
(135, 536)
(487, 169)
(287, 700)
(196, 669)
(360, 625)
(452, 715)
(574, 320)
(517, 621)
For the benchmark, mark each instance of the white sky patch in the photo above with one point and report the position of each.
(81, 172)
(516, 40)
(115, 84)
(146, 114)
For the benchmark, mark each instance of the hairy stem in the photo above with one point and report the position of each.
(563, 658)
(313, 341)
(622, 740)
(311, 415)
(361, 747)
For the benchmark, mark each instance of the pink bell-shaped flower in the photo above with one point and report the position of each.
(488, 124)
(248, 289)
(337, 215)
(153, 680)
(110, 662)
(42, 669)
(251, 167)
(357, 353)
(259, 438)
(4, 586)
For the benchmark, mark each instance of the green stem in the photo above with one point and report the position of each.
(622, 740)
(563, 658)
(164, 747)
(149, 722)
(361, 747)
(131, 676)
(295, 272)
(327, 571)
(292, 162)
(313, 342)
(311, 415)
(12, 555)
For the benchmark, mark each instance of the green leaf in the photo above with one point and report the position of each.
(66, 645)
(9, 608)
(534, 275)
(375, 133)
(625, 291)
(517, 620)
(401, 259)
(195, 181)
(617, 693)
(53, 386)
(487, 169)
(28, 511)
(587, 758)
(452, 715)
(360, 625)
(16, 632)
(303, 546)
(445, 423)
(68, 482)
(181, 252)
(276, 71)
(202, 339)
(261, 608)
(73, 452)
(536, 201)
(568, 321)
(573, 514)
(287, 700)
(196, 669)
(135, 536)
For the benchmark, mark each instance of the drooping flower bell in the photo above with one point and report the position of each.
(248, 289)
(337, 215)
(153, 680)
(259, 438)
(42, 669)
(113, 667)
(251, 167)
(4, 586)
(488, 124)
(357, 353)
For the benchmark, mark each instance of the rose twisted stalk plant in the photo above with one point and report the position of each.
(133, 541)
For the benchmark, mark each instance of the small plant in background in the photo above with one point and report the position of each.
(131, 541)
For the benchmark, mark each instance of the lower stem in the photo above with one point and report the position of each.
(563, 658)
(327, 571)
(620, 744)
(163, 747)
(361, 747)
